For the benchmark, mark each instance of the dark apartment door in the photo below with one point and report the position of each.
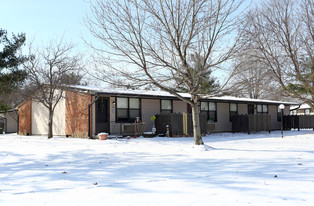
(251, 109)
(102, 115)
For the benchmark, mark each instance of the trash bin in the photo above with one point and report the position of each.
(1, 130)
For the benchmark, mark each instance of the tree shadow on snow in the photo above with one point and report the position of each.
(139, 172)
(218, 137)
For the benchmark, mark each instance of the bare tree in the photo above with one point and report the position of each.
(152, 42)
(47, 68)
(253, 79)
(282, 32)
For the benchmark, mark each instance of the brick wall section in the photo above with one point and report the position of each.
(76, 114)
(25, 118)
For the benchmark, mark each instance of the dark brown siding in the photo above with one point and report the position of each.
(25, 118)
(76, 114)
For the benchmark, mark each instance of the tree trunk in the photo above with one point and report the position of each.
(50, 122)
(196, 124)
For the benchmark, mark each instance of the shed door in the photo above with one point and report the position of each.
(251, 109)
(102, 115)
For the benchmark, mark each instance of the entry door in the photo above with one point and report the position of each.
(251, 109)
(102, 115)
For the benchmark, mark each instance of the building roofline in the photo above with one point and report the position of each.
(165, 95)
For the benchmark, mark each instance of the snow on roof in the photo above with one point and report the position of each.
(240, 99)
(303, 106)
(150, 93)
(128, 91)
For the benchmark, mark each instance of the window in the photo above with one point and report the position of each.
(127, 109)
(135, 108)
(210, 108)
(165, 106)
(233, 109)
(307, 112)
(293, 112)
(262, 109)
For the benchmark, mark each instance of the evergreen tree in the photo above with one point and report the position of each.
(10, 74)
(307, 74)
(73, 78)
(208, 84)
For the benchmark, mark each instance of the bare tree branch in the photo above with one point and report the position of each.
(151, 42)
(48, 67)
(281, 32)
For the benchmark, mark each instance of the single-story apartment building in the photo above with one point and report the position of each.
(96, 110)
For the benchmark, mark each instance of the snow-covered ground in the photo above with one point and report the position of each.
(231, 169)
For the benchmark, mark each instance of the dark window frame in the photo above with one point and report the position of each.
(128, 109)
(262, 106)
(166, 110)
(208, 111)
(231, 113)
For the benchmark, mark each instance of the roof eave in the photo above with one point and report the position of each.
(169, 96)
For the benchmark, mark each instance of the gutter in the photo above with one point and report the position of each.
(89, 106)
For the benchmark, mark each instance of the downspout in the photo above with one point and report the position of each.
(18, 124)
(89, 105)
(5, 126)
(17, 120)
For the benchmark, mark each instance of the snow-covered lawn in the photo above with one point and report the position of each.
(240, 169)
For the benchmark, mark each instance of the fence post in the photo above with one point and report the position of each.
(185, 123)
(249, 122)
